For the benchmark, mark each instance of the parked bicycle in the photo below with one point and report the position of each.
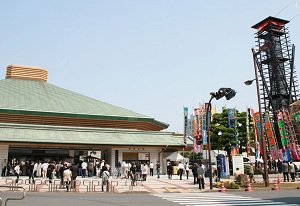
(116, 173)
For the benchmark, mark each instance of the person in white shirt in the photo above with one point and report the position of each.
(17, 172)
(144, 171)
(180, 170)
(151, 166)
(187, 169)
(45, 168)
(83, 166)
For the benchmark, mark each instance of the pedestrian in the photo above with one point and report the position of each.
(158, 169)
(17, 172)
(74, 170)
(144, 171)
(61, 172)
(37, 170)
(30, 172)
(4, 166)
(51, 171)
(83, 167)
(67, 177)
(195, 174)
(151, 166)
(132, 172)
(200, 173)
(180, 170)
(285, 171)
(169, 170)
(105, 180)
(236, 174)
(44, 169)
(279, 166)
(187, 170)
(292, 171)
(251, 173)
(219, 170)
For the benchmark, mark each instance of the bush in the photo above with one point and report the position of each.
(229, 185)
(233, 185)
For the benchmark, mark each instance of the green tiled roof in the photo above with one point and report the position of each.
(40, 98)
(84, 135)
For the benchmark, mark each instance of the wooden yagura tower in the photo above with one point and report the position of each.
(278, 86)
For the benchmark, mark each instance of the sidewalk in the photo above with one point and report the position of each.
(152, 185)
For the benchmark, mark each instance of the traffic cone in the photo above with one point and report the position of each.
(278, 179)
(275, 185)
(249, 189)
(223, 189)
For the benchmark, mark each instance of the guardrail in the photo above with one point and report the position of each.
(92, 185)
(12, 188)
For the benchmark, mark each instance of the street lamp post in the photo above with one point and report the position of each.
(264, 148)
(228, 93)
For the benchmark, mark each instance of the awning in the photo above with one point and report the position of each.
(175, 157)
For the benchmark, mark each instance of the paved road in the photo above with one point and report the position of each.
(289, 198)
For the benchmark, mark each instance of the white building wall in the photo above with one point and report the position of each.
(154, 153)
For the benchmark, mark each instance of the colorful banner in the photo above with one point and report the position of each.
(231, 117)
(297, 125)
(185, 114)
(291, 135)
(222, 165)
(258, 131)
(281, 129)
(268, 130)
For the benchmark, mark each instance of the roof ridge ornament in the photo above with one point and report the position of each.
(15, 71)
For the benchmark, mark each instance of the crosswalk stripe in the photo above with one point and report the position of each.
(219, 199)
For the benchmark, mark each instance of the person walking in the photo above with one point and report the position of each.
(151, 166)
(74, 170)
(251, 173)
(200, 173)
(219, 172)
(4, 166)
(169, 170)
(31, 172)
(285, 171)
(180, 170)
(67, 177)
(195, 174)
(292, 171)
(17, 172)
(187, 170)
(144, 171)
(105, 180)
(158, 169)
(83, 167)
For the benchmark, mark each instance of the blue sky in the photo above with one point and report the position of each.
(152, 57)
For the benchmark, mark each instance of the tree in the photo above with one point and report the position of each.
(222, 137)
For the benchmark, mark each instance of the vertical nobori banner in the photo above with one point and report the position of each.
(185, 124)
(231, 123)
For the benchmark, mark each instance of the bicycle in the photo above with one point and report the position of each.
(116, 173)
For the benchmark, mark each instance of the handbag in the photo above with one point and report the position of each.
(200, 176)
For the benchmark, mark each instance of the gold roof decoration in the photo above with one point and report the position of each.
(16, 71)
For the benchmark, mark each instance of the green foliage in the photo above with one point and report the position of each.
(233, 185)
(223, 137)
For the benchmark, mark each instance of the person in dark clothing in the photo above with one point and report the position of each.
(219, 172)
(279, 166)
(74, 170)
(169, 170)
(50, 171)
(61, 172)
(30, 172)
(195, 174)
(132, 173)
